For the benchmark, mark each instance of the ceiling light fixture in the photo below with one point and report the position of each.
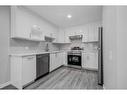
(69, 16)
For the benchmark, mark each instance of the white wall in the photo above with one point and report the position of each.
(4, 44)
(110, 47)
(115, 47)
(122, 47)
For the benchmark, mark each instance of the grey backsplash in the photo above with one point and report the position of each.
(24, 46)
(88, 47)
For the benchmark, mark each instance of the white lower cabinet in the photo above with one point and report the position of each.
(64, 56)
(52, 61)
(57, 59)
(28, 69)
(90, 61)
(23, 70)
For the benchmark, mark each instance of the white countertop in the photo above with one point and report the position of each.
(50, 52)
(35, 53)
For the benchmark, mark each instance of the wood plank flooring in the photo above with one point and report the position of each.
(67, 78)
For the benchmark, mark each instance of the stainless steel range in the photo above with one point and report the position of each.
(74, 56)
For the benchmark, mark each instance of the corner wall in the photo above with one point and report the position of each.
(4, 44)
(110, 47)
(122, 47)
(115, 47)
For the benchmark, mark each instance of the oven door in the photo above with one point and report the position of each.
(74, 60)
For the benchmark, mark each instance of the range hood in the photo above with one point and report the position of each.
(49, 39)
(75, 37)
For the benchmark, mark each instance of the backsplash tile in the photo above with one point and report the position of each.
(88, 47)
(24, 46)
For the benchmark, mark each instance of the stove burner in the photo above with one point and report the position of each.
(76, 48)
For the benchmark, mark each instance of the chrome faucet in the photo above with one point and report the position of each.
(47, 47)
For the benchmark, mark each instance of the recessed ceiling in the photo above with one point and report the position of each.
(59, 15)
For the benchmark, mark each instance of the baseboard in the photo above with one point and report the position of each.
(93, 69)
(5, 84)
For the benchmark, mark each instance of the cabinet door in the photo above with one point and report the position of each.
(52, 62)
(96, 60)
(96, 31)
(22, 23)
(54, 35)
(91, 32)
(61, 36)
(91, 61)
(28, 69)
(84, 59)
(64, 57)
(58, 59)
(85, 34)
(66, 37)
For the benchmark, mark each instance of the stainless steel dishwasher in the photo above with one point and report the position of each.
(42, 65)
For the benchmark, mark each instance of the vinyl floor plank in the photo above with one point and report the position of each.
(67, 78)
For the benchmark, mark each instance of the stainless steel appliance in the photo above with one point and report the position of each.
(42, 65)
(74, 56)
(100, 57)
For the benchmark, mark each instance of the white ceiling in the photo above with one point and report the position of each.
(58, 14)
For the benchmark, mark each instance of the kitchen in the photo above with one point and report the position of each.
(54, 47)
(34, 41)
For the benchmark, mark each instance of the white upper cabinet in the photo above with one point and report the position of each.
(85, 34)
(96, 28)
(93, 32)
(18, 25)
(29, 25)
(25, 24)
(90, 32)
(66, 38)
(62, 37)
